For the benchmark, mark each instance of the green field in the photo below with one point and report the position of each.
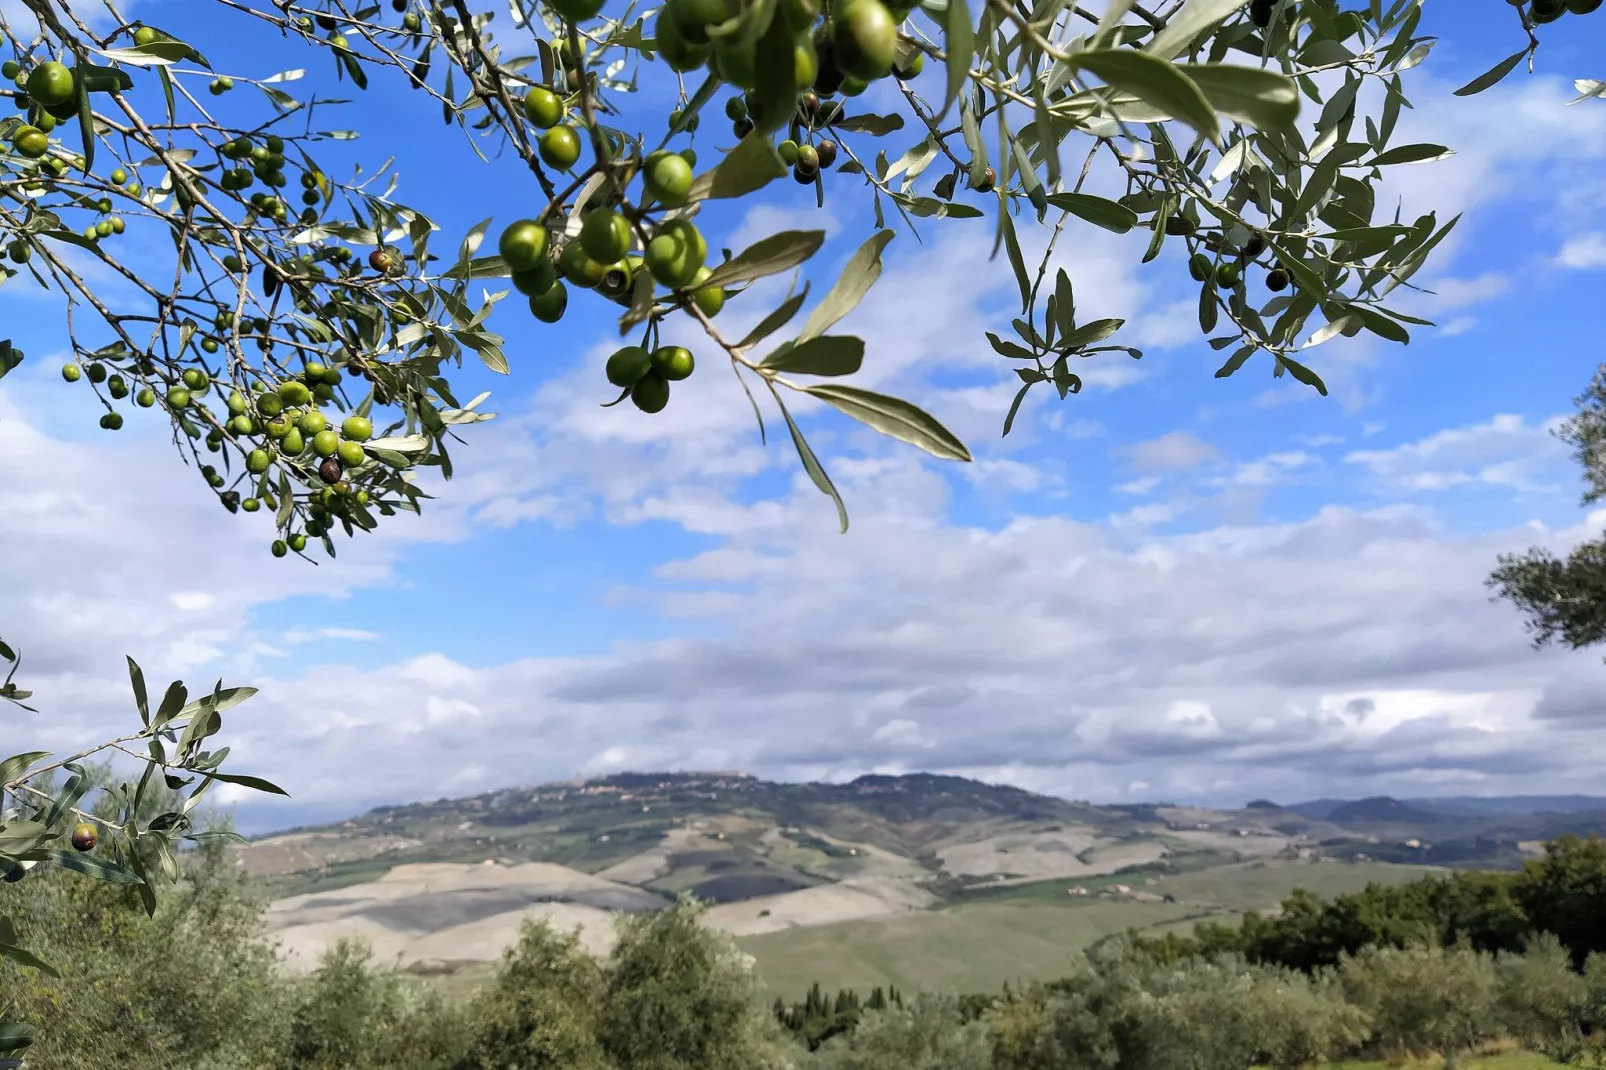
(1506, 1060)
(969, 948)
(1255, 886)
(977, 946)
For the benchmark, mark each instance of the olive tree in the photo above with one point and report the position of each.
(264, 291)
(1565, 600)
(299, 337)
(138, 825)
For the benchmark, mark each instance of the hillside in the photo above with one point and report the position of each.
(804, 872)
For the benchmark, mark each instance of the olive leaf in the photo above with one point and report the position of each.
(1158, 83)
(1410, 154)
(776, 93)
(1264, 99)
(959, 41)
(76, 787)
(894, 417)
(136, 677)
(1492, 75)
(750, 166)
(768, 256)
(246, 781)
(861, 273)
(874, 125)
(1093, 331)
(1303, 374)
(13, 767)
(20, 837)
(221, 700)
(811, 465)
(89, 865)
(779, 317)
(23, 956)
(1100, 211)
(172, 703)
(14, 1036)
(824, 355)
(1194, 19)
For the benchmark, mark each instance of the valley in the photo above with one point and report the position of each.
(916, 881)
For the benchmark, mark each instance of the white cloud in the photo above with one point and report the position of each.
(1175, 451)
(1270, 469)
(1583, 252)
(1506, 452)
(901, 732)
(299, 636)
(1073, 429)
(1079, 657)
(1451, 293)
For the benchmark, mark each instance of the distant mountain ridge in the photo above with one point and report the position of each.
(1387, 808)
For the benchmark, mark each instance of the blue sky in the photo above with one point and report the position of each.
(1168, 586)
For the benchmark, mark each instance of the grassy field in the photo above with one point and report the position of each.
(969, 948)
(977, 946)
(1260, 886)
(1506, 1060)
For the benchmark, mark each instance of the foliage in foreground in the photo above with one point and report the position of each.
(195, 986)
(300, 336)
(1565, 600)
(1562, 894)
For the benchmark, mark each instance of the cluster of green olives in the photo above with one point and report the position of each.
(559, 141)
(1227, 266)
(1543, 11)
(48, 93)
(673, 252)
(855, 45)
(273, 424)
(647, 375)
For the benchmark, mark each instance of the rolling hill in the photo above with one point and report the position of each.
(882, 877)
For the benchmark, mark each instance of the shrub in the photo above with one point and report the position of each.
(542, 1009)
(1425, 999)
(927, 1034)
(190, 986)
(678, 996)
(1306, 1020)
(349, 1016)
(1542, 999)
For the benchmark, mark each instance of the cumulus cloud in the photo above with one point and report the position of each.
(1075, 656)
(1174, 451)
(1505, 452)
(1583, 252)
(1347, 651)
